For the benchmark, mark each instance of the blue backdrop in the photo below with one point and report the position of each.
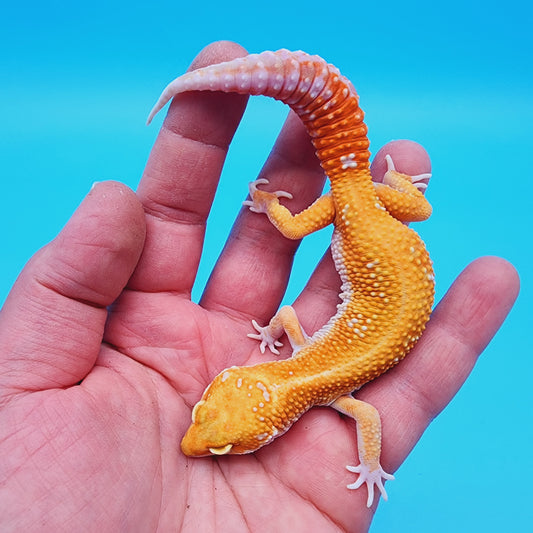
(78, 80)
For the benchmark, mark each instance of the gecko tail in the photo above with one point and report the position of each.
(325, 100)
(161, 102)
(157, 107)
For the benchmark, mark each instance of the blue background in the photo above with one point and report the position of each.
(76, 85)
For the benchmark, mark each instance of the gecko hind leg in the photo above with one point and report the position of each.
(284, 321)
(368, 443)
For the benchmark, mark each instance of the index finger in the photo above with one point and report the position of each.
(181, 177)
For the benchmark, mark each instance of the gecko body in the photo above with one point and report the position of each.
(386, 274)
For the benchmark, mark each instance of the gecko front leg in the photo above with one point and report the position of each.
(317, 216)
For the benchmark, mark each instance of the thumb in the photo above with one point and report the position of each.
(52, 323)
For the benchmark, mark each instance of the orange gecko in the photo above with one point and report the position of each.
(387, 277)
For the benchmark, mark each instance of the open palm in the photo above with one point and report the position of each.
(103, 354)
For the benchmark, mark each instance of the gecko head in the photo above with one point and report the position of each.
(231, 417)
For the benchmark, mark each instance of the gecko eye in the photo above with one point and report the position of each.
(221, 451)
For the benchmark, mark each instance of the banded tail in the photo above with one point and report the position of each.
(325, 100)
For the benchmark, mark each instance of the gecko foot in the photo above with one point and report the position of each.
(371, 478)
(420, 181)
(258, 202)
(267, 339)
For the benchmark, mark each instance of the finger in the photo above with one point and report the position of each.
(414, 392)
(255, 264)
(53, 320)
(181, 177)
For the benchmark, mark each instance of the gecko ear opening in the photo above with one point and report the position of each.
(221, 451)
(195, 410)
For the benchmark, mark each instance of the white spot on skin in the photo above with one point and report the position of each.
(239, 383)
(225, 376)
(348, 161)
(351, 322)
(266, 394)
(262, 436)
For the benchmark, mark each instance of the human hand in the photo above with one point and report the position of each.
(103, 354)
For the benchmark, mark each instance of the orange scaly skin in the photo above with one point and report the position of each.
(387, 277)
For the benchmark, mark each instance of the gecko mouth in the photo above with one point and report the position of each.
(221, 451)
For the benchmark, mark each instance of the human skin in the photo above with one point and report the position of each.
(103, 354)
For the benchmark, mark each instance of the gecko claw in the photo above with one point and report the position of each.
(252, 186)
(418, 181)
(282, 194)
